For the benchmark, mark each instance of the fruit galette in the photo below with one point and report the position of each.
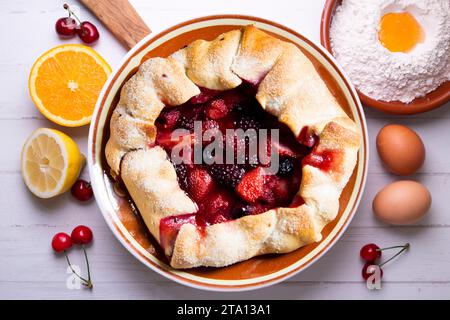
(232, 148)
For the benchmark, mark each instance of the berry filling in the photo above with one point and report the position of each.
(241, 175)
(323, 160)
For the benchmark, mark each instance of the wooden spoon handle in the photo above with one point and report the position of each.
(120, 18)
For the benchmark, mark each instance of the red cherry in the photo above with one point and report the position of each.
(61, 241)
(81, 235)
(88, 32)
(82, 190)
(66, 26)
(369, 269)
(370, 252)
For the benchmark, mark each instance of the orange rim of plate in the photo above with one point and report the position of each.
(100, 180)
(430, 101)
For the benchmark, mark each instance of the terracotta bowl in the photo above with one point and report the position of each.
(119, 211)
(432, 100)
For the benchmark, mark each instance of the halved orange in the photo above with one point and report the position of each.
(65, 83)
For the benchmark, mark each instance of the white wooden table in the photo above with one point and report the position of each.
(28, 267)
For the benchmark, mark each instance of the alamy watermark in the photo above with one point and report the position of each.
(237, 146)
(373, 282)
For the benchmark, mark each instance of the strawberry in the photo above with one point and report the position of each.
(218, 208)
(169, 227)
(200, 183)
(276, 191)
(282, 149)
(279, 188)
(251, 188)
(166, 140)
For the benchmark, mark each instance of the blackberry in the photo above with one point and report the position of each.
(286, 167)
(186, 123)
(188, 117)
(228, 175)
(181, 171)
(246, 122)
(241, 210)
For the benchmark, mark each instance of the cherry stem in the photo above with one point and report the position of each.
(388, 248)
(87, 283)
(405, 247)
(71, 13)
(90, 285)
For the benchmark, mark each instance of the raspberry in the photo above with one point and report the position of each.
(170, 118)
(209, 124)
(228, 175)
(215, 208)
(217, 109)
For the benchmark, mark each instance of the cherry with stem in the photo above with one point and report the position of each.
(404, 248)
(83, 235)
(62, 242)
(368, 268)
(88, 282)
(87, 31)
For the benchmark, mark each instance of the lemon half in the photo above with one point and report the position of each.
(51, 162)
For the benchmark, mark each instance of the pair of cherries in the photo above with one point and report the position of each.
(371, 253)
(71, 26)
(80, 235)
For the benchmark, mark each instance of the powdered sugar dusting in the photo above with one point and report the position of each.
(385, 75)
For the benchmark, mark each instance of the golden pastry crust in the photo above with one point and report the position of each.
(289, 88)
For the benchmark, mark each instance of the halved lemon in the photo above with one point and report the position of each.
(65, 83)
(51, 162)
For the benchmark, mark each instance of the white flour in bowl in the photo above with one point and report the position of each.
(380, 73)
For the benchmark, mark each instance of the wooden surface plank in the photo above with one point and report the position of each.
(31, 211)
(172, 291)
(27, 224)
(25, 246)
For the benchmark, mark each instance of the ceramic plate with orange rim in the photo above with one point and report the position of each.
(432, 100)
(126, 223)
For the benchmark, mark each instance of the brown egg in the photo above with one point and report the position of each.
(401, 149)
(402, 202)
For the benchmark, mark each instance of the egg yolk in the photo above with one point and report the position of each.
(399, 32)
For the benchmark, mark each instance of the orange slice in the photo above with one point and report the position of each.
(65, 83)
